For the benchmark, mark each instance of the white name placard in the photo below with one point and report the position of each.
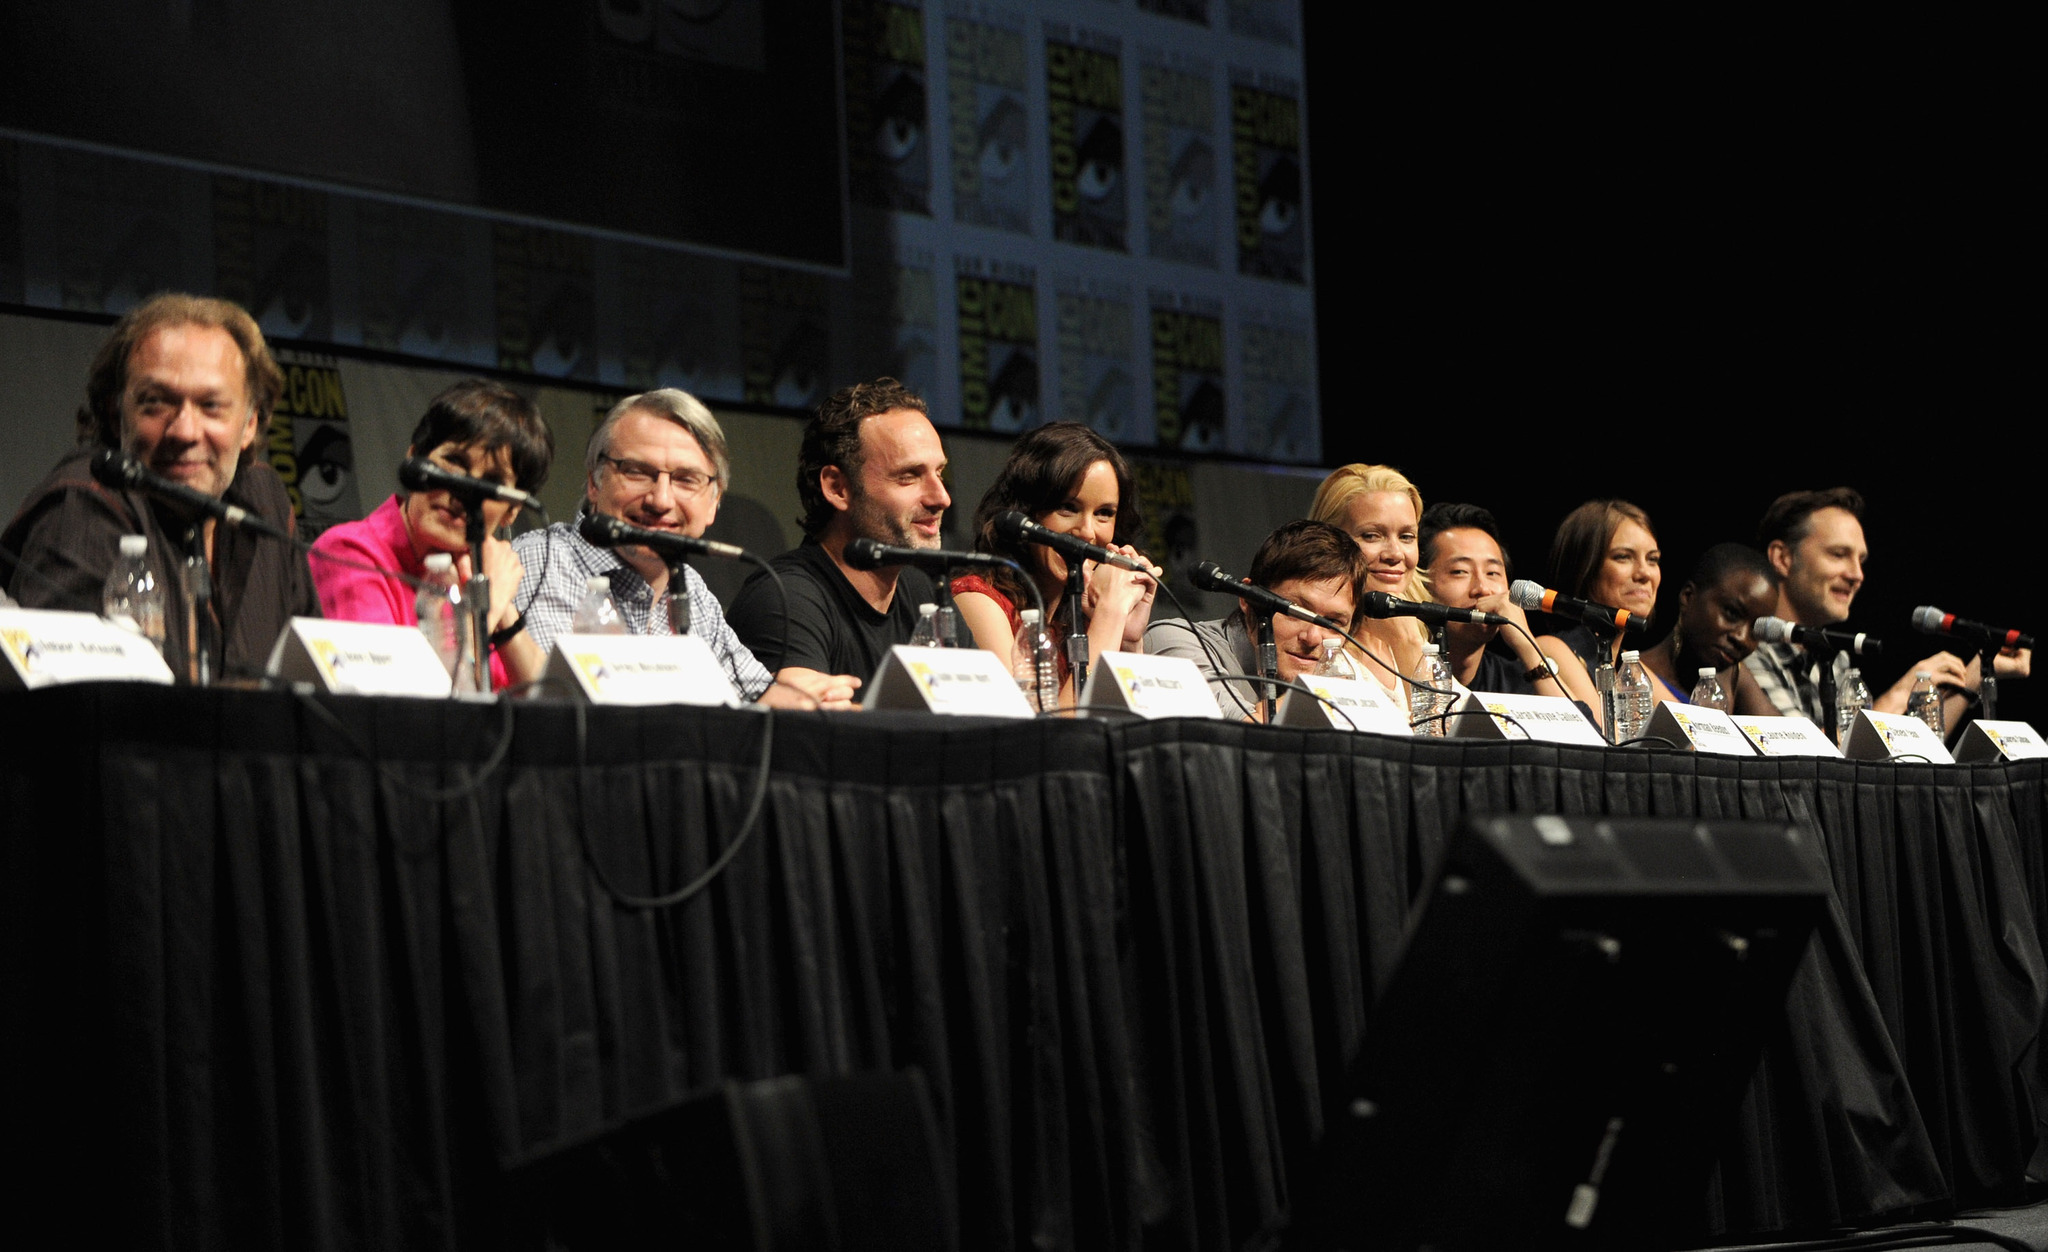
(1364, 705)
(641, 669)
(358, 658)
(1552, 719)
(1150, 686)
(1783, 736)
(44, 647)
(1701, 729)
(1999, 741)
(966, 682)
(1879, 736)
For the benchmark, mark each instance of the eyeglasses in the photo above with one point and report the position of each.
(688, 483)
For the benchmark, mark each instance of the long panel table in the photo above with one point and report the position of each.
(306, 971)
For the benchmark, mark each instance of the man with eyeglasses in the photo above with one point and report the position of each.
(871, 467)
(659, 461)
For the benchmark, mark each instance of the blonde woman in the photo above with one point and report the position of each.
(1377, 506)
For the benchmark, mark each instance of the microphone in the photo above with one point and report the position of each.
(1209, 578)
(868, 554)
(1380, 604)
(115, 468)
(1929, 620)
(1017, 528)
(605, 531)
(420, 474)
(1778, 630)
(1531, 597)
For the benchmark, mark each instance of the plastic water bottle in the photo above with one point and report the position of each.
(1851, 698)
(1336, 662)
(1035, 662)
(444, 619)
(1424, 703)
(1925, 703)
(133, 599)
(1631, 699)
(1707, 693)
(927, 633)
(597, 613)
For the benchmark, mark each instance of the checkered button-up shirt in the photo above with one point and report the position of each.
(559, 561)
(1790, 679)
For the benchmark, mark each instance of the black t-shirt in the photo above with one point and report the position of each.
(1502, 674)
(832, 628)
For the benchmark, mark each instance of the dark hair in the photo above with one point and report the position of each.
(1790, 515)
(1041, 473)
(1582, 539)
(100, 420)
(1723, 559)
(1310, 552)
(479, 411)
(833, 438)
(1438, 518)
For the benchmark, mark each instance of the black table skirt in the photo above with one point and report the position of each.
(268, 984)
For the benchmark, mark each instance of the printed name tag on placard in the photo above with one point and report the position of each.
(1999, 741)
(1701, 729)
(966, 682)
(1552, 719)
(1365, 704)
(1879, 736)
(1150, 686)
(641, 669)
(1784, 736)
(358, 658)
(44, 647)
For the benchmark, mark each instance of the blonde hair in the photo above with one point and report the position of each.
(1345, 484)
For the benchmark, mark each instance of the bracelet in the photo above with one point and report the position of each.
(499, 638)
(1537, 673)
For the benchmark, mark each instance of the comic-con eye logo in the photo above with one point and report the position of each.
(23, 645)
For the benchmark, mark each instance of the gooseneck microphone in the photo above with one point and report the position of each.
(115, 468)
(869, 554)
(1017, 528)
(1779, 630)
(605, 531)
(420, 474)
(1381, 604)
(1533, 597)
(1929, 620)
(1209, 578)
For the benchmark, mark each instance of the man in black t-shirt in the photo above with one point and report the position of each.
(1468, 569)
(871, 468)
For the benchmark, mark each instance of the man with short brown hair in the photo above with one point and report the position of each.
(184, 384)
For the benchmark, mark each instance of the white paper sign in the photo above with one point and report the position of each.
(358, 658)
(966, 682)
(1364, 703)
(1879, 736)
(641, 669)
(1150, 686)
(1552, 719)
(44, 647)
(1999, 741)
(1784, 736)
(1701, 729)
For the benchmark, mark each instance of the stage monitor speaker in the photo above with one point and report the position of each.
(785, 1165)
(1558, 1055)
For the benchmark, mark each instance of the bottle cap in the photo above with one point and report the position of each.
(1428, 649)
(134, 545)
(1706, 671)
(596, 582)
(1627, 657)
(1028, 616)
(438, 561)
(926, 610)
(1926, 674)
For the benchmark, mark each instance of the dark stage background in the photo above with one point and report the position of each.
(1694, 266)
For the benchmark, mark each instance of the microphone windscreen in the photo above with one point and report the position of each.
(1772, 630)
(1528, 596)
(413, 474)
(864, 554)
(1378, 604)
(1010, 525)
(115, 468)
(1928, 620)
(1209, 578)
(599, 529)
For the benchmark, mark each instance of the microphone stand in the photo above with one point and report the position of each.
(478, 604)
(679, 596)
(1825, 653)
(1987, 688)
(1604, 676)
(1077, 629)
(1269, 665)
(946, 618)
(198, 607)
